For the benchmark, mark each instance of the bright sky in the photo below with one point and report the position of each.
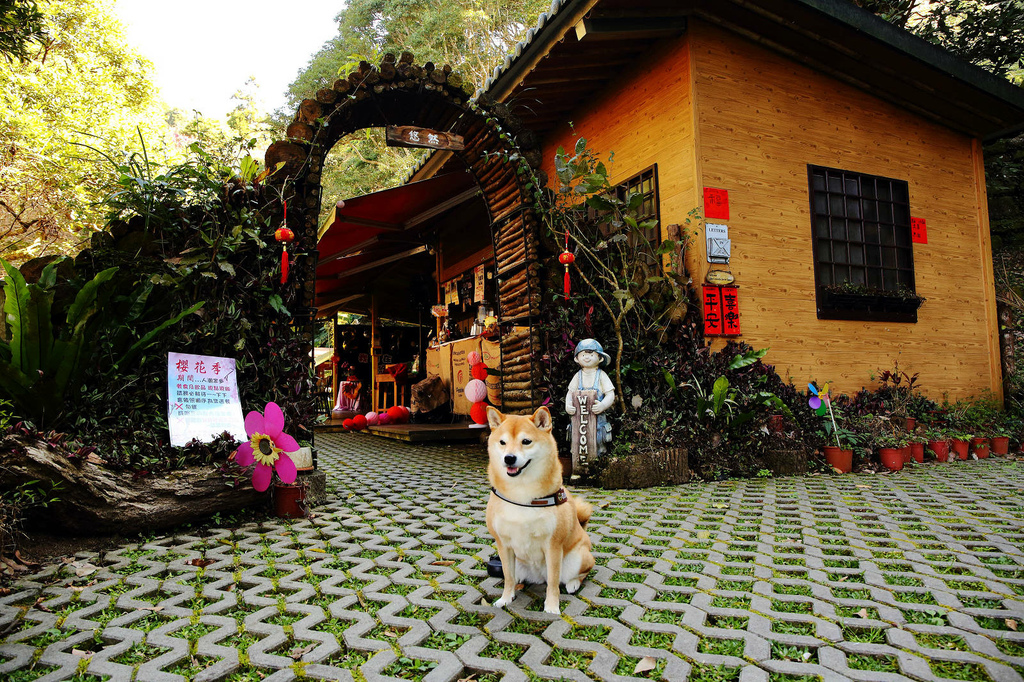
(204, 50)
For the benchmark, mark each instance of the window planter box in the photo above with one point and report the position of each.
(835, 305)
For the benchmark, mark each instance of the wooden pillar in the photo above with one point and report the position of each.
(374, 350)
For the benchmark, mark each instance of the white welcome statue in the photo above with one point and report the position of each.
(591, 392)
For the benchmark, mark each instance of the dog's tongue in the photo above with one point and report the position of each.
(512, 471)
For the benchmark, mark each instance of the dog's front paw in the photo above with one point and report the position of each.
(572, 586)
(552, 608)
(501, 601)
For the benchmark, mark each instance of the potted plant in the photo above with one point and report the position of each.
(999, 438)
(890, 449)
(938, 442)
(837, 456)
(979, 446)
(266, 451)
(917, 443)
(960, 441)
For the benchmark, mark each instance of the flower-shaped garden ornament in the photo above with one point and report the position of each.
(819, 400)
(267, 447)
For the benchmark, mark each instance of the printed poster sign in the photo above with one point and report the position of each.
(918, 231)
(716, 203)
(202, 398)
(478, 284)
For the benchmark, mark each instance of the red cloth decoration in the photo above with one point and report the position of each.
(358, 422)
(478, 413)
(347, 424)
(479, 371)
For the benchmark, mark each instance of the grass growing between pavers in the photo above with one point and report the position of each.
(710, 535)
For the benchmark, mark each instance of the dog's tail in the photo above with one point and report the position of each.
(583, 510)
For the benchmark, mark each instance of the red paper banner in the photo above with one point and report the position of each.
(918, 231)
(730, 311)
(716, 203)
(712, 310)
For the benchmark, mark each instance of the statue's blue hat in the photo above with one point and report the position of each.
(594, 345)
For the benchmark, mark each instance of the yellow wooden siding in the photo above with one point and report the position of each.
(643, 121)
(762, 120)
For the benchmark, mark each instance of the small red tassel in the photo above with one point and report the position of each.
(566, 282)
(284, 264)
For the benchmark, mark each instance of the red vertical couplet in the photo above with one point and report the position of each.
(721, 310)
(716, 203)
(918, 231)
(712, 310)
(730, 311)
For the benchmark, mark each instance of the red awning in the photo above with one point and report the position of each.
(374, 233)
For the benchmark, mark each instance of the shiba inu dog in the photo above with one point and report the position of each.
(539, 528)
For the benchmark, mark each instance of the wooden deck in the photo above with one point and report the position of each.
(416, 433)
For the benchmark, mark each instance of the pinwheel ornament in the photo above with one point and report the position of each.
(821, 403)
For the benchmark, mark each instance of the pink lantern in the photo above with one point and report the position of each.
(383, 419)
(371, 418)
(476, 391)
(473, 358)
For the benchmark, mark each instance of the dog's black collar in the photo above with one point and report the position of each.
(555, 499)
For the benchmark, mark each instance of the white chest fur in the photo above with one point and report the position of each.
(526, 531)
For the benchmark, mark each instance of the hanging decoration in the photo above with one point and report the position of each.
(566, 258)
(284, 235)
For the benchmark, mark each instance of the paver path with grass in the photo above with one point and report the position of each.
(916, 575)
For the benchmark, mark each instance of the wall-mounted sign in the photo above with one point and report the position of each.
(478, 284)
(716, 203)
(202, 398)
(719, 246)
(411, 136)
(712, 310)
(721, 310)
(719, 277)
(918, 231)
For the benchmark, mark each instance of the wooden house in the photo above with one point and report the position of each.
(836, 159)
(849, 153)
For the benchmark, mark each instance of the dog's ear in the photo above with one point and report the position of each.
(542, 419)
(494, 417)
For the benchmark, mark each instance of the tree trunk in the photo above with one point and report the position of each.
(97, 500)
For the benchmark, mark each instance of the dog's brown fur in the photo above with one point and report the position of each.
(542, 543)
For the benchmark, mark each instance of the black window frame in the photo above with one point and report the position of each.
(860, 235)
(651, 199)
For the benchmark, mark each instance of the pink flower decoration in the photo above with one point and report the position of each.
(267, 447)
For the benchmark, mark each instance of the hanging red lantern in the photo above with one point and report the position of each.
(284, 235)
(566, 258)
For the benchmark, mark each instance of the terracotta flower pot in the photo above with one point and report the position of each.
(892, 458)
(566, 463)
(980, 447)
(290, 500)
(940, 448)
(917, 452)
(907, 457)
(839, 458)
(911, 423)
(1000, 445)
(776, 423)
(961, 448)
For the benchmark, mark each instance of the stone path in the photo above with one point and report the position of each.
(917, 575)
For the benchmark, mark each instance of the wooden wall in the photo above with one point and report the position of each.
(643, 121)
(762, 120)
(714, 109)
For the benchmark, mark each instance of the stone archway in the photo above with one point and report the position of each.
(399, 92)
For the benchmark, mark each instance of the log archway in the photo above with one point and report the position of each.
(399, 92)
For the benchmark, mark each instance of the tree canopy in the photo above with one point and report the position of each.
(21, 28)
(79, 85)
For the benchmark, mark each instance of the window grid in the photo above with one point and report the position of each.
(861, 230)
(645, 182)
